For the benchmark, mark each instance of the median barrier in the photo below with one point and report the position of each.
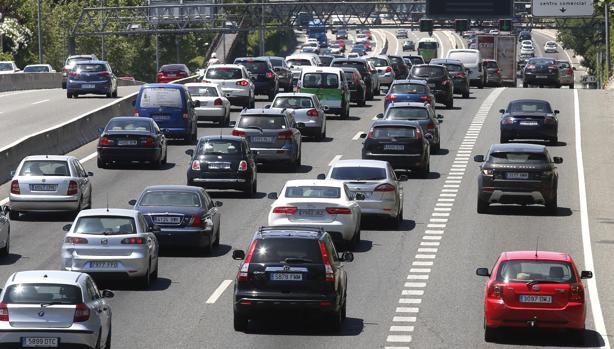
(29, 81)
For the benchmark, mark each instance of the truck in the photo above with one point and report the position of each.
(486, 46)
(505, 54)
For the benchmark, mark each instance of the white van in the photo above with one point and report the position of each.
(471, 60)
(298, 61)
(330, 85)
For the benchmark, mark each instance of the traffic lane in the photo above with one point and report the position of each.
(476, 240)
(597, 128)
(27, 113)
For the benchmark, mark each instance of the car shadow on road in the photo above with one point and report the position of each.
(218, 251)
(221, 194)
(379, 224)
(140, 166)
(270, 168)
(12, 258)
(550, 338)
(295, 325)
(46, 217)
(442, 151)
(544, 143)
(529, 210)
(313, 140)
(160, 284)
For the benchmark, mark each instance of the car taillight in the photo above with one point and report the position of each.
(430, 126)
(495, 291)
(313, 113)
(243, 165)
(460, 75)
(196, 165)
(570, 71)
(328, 268)
(186, 116)
(549, 121)
(418, 133)
(82, 313)
(196, 220)
(133, 241)
(149, 141)
(242, 83)
(285, 209)
(73, 74)
(530, 66)
(385, 187)
(576, 293)
(507, 121)
(338, 210)
(73, 188)
(390, 98)
(205, 81)
(388, 69)
(284, 135)
(426, 98)
(105, 141)
(218, 102)
(269, 75)
(243, 274)
(498, 72)
(105, 74)
(552, 66)
(15, 187)
(445, 82)
(4, 312)
(75, 240)
(238, 133)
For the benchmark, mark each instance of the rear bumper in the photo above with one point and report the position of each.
(337, 229)
(499, 314)
(188, 237)
(68, 338)
(541, 78)
(43, 203)
(385, 78)
(128, 154)
(378, 208)
(270, 154)
(210, 114)
(131, 266)
(98, 87)
(410, 161)
(522, 194)
(538, 132)
(247, 305)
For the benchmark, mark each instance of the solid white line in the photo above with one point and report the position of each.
(426, 249)
(89, 157)
(435, 225)
(438, 220)
(39, 102)
(335, 159)
(443, 209)
(218, 291)
(440, 214)
(586, 234)
(445, 199)
(357, 135)
(404, 319)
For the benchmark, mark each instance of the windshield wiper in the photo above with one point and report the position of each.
(535, 282)
(291, 260)
(44, 305)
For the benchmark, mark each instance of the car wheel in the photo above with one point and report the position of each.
(378, 91)
(336, 319)
(252, 103)
(75, 95)
(362, 102)
(525, 85)
(157, 164)
(481, 85)
(14, 215)
(109, 94)
(64, 85)
(69, 95)
(345, 114)
(552, 204)
(249, 188)
(145, 280)
(436, 148)
(97, 346)
(240, 322)
(299, 161)
(450, 103)
(369, 94)
(115, 93)
(503, 139)
(254, 188)
(7, 248)
(165, 159)
(425, 170)
(482, 206)
(398, 220)
(107, 343)
(154, 275)
(571, 86)
(216, 242)
(466, 94)
(490, 334)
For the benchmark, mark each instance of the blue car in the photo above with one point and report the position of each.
(171, 107)
(409, 91)
(91, 77)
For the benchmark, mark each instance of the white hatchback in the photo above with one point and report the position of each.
(214, 106)
(235, 82)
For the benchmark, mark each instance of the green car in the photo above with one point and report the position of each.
(330, 85)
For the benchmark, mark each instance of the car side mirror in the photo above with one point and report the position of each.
(132, 202)
(272, 196)
(482, 272)
(556, 111)
(238, 255)
(347, 256)
(478, 158)
(574, 68)
(232, 124)
(359, 196)
(325, 108)
(218, 204)
(585, 274)
(402, 178)
(321, 176)
(557, 160)
(363, 135)
(189, 152)
(100, 130)
(268, 106)
(429, 136)
(196, 104)
(67, 227)
(380, 116)
(107, 294)
(154, 228)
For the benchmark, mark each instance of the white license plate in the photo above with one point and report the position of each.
(88, 86)
(394, 147)
(286, 276)
(525, 298)
(126, 142)
(40, 342)
(529, 123)
(257, 139)
(171, 75)
(541, 76)
(310, 212)
(219, 165)
(517, 175)
(103, 265)
(167, 220)
(161, 117)
(43, 187)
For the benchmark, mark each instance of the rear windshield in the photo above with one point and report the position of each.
(6, 66)
(313, 192)
(106, 225)
(390, 132)
(90, 67)
(428, 45)
(170, 198)
(203, 91)
(219, 147)
(254, 67)
(491, 64)
(408, 88)
(407, 114)
(42, 293)
(396, 60)
(535, 270)
(541, 61)
(427, 72)
(519, 157)
(298, 62)
(44, 168)
(273, 122)
(453, 67)
(36, 69)
(465, 57)
(529, 107)
(358, 65)
(563, 65)
(416, 60)
(153, 97)
(277, 250)
(276, 62)
(293, 102)
(323, 80)
(359, 173)
(378, 62)
(326, 60)
(130, 125)
(72, 61)
(173, 67)
(224, 73)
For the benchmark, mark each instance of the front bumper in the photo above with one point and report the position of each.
(498, 314)
(42, 203)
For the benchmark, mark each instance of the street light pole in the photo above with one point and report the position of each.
(101, 37)
(608, 58)
(40, 43)
(262, 28)
(1, 36)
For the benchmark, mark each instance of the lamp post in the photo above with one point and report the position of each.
(38, 21)
(1, 35)
(608, 58)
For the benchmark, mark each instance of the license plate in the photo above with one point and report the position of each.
(40, 342)
(541, 77)
(286, 276)
(160, 117)
(162, 219)
(219, 165)
(258, 139)
(126, 142)
(43, 187)
(103, 265)
(517, 175)
(394, 147)
(310, 212)
(171, 75)
(529, 123)
(525, 298)
(88, 86)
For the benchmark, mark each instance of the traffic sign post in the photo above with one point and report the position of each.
(505, 25)
(461, 25)
(562, 8)
(426, 25)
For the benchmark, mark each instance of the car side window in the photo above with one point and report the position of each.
(79, 168)
(206, 200)
(290, 120)
(393, 175)
(142, 222)
(330, 249)
(347, 192)
(109, 69)
(91, 290)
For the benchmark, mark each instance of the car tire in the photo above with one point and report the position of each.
(107, 343)
(525, 85)
(154, 275)
(345, 114)
(165, 159)
(145, 280)
(299, 161)
(369, 94)
(252, 103)
(336, 318)
(490, 334)
(109, 94)
(114, 95)
(481, 85)
(482, 206)
(424, 171)
(378, 91)
(436, 148)
(14, 215)
(450, 104)
(398, 220)
(466, 94)
(75, 95)
(157, 164)
(216, 242)
(97, 346)
(69, 95)
(571, 86)
(6, 249)
(362, 102)
(64, 85)
(552, 204)
(503, 139)
(240, 322)
(100, 164)
(271, 96)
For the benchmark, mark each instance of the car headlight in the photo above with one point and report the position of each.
(487, 172)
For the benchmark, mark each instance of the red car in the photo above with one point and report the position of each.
(341, 43)
(534, 289)
(172, 72)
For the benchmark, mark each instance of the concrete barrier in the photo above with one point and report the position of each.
(29, 81)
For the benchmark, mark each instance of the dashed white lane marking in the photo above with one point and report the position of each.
(401, 328)
(357, 135)
(218, 291)
(413, 292)
(335, 159)
(39, 102)
(404, 319)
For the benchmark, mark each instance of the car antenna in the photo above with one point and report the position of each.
(107, 202)
(536, 247)
(220, 133)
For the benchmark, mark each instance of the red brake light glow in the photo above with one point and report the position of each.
(4, 312)
(243, 165)
(313, 113)
(576, 293)
(133, 241)
(243, 272)
(73, 188)
(218, 102)
(338, 210)
(82, 313)
(285, 209)
(269, 75)
(106, 141)
(238, 133)
(15, 187)
(385, 187)
(196, 220)
(388, 69)
(390, 98)
(196, 165)
(285, 135)
(330, 275)
(75, 240)
(242, 83)
(425, 98)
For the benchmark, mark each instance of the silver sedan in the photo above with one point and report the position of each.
(307, 109)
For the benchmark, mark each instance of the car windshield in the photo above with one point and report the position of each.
(203, 91)
(6, 67)
(170, 198)
(407, 114)
(293, 102)
(491, 64)
(313, 192)
(36, 69)
(40, 293)
(407, 88)
(277, 250)
(298, 62)
(358, 65)
(154, 97)
(465, 57)
(105, 225)
(320, 80)
(378, 62)
(129, 125)
(393, 132)
(517, 157)
(90, 68)
(44, 168)
(535, 270)
(224, 73)
(529, 107)
(359, 173)
(254, 67)
(396, 60)
(219, 147)
(427, 72)
(453, 67)
(270, 122)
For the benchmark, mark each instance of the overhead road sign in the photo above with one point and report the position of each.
(562, 8)
(474, 9)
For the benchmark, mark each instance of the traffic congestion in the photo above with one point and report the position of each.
(279, 202)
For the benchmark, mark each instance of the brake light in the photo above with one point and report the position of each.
(238, 133)
(15, 187)
(385, 187)
(313, 113)
(149, 141)
(576, 294)
(390, 98)
(338, 210)
(430, 126)
(426, 98)
(570, 71)
(530, 66)
(4, 312)
(495, 291)
(205, 81)
(75, 240)
(242, 83)
(244, 271)
(218, 102)
(196, 221)
(328, 268)
(507, 121)
(285, 209)
(549, 121)
(498, 72)
(73, 74)
(186, 115)
(552, 66)
(82, 313)
(243, 165)
(388, 69)
(418, 133)
(285, 135)
(196, 165)
(269, 75)
(460, 75)
(105, 141)
(104, 74)
(73, 189)
(133, 241)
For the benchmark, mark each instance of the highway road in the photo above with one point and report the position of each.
(410, 287)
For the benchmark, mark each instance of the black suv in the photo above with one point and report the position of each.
(368, 73)
(264, 77)
(517, 174)
(529, 118)
(438, 79)
(401, 69)
(541, 71)
(290, 269)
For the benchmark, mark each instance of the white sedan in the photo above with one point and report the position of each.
(527, 50)
(551, 46)
(320, 203)
(214, 106)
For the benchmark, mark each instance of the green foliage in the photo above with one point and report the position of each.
(6, 56)
(277, 42)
